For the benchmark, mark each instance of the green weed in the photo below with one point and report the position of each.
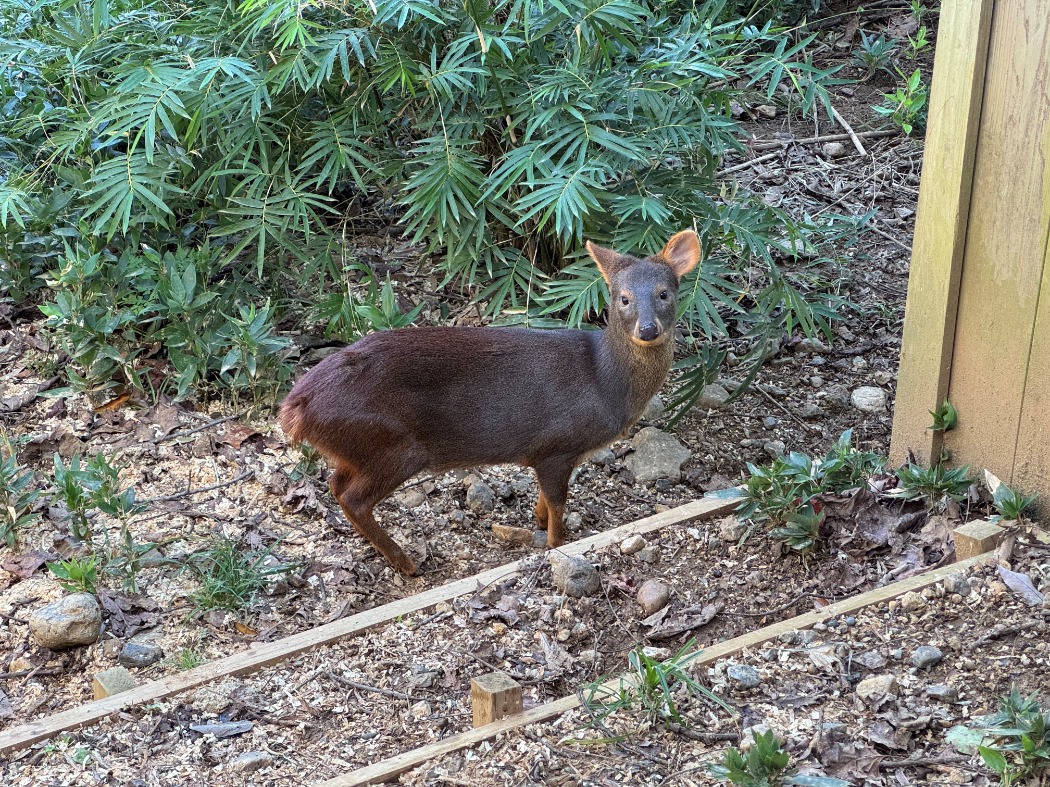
(77, 574)
(763, 766)
(230, 578)
(935, 485)
(1017, 738)
(906, 106)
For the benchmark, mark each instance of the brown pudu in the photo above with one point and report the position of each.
(399, 402)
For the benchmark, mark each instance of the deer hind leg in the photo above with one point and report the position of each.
(553, 477)
(358, 494)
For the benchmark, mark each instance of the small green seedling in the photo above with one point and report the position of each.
(1010, 504)
(17, 496)
(763, 766)
(1018, 740)
(650, 687)
(801, 530)
(187, 658)
(77, 574)
(874, 53)
(935, 485)
(906, 106)
(230, 578)
(945, 418)
(917, 44)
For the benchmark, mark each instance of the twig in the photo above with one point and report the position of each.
(194, 430)
(36, 671)
(353, 684)
(779, 609)
(706, 737)
(749, 162)
(186, 493)
(849, 130)
(803, 424)
(889, 237)
(825, 138)
(885, 765)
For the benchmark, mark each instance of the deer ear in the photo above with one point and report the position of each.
(682, 252)
(609, 262)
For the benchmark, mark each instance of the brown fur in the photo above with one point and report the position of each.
(399, 402)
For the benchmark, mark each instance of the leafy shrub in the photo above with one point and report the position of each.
(77, 574)
(497, 133)
(230, 578)
(763, 766)
(18, 495)
(1017, 739)
(934, 485)
(906, 106)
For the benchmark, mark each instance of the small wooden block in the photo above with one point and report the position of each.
(493, 697)
(976, 538)
(112, 681)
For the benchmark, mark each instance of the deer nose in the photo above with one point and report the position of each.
(648, 332)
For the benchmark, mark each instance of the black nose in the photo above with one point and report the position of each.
(648, 332)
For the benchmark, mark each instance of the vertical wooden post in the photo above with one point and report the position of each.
(494, 696)
(976, 538)
(956, 97)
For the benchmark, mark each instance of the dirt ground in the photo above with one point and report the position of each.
(206, 474)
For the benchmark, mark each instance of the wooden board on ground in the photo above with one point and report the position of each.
(270, 653)
(940, 231)
(387, 769)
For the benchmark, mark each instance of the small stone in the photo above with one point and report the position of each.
(413, 498)
(903, 213)
(834, 730)
(563, 635)
(943, 692)
(656, 653)
(869, 399)
(655, 410)
(810, 411)
(632, 544)
(775, 448)
(656, 455)
(649, 554)
(744, 675)
(882, 377)
(574, 576)
(731, 529)
(140, 654)
(870, 659)
(653, 596)
(573, 521)
(539, 539)
(712, 397)
(957, 583)
(421, 710)
(70, 621)
(421, 677)
(837, 397)
(912, 601)
(769, 422)
(766, 111)
(834, 150)
(811, 345)
(515, 535)
(112, 681)
(480, 497)
(603, 456)
(925, 656)
(816, 381)
(877, 687)
(251, 761)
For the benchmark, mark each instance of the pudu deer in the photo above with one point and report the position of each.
(403, 401)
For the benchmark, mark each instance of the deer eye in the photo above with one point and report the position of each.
(625, 300)
(664, 295)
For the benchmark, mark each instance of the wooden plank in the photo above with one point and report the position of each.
(269, 653)
(390, 768)
(940, 231)
(1031, 471)
(1006, 242)
(976, 538)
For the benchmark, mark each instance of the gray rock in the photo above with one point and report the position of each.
(957, 583)
(775, 448)
(480, 497)
(816, 381)
(769, 422)
(70, 621)
(649, 554)
(870, 659)
(732, 529)
(655, 410)
(869, 399)
(656, 455)
(882, 377)
(632, 544)
(837, 397)
(925, 656)
(422, 677)
(744, 675)
(811, 346)
(877, 687)
(574, 576)
(943, 692)
(834, 150)
(140, 654)
(810, 411)
(603, 456)
(834, 730)
(573, 521)
(251, 761)
(653, 596)
(766, 111)
(712, 397)
(413, 498)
